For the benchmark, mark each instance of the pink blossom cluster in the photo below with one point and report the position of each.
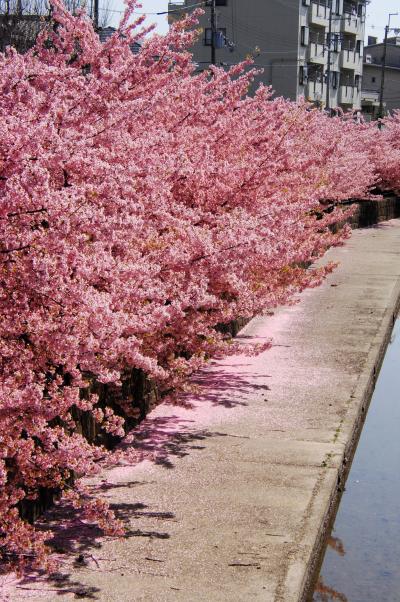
(384, 148)
(142, 206)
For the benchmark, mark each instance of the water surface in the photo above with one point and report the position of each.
(362, 560)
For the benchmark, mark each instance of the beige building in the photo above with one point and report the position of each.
(372, 70)
(289, 40)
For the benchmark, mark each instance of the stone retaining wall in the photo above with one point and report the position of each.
(369, 213)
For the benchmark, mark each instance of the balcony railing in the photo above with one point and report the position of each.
(349, 46)
(350, 7)
(316, 37)
(348, 94)
(317, 54)
(351, 24)
(319, 14)
(370, 97)
(315, 90)
(355, 9)
(347, 81)
(322, 2)
(350, 59)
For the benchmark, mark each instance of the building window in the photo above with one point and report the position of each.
(373, 79)
(360, 10)
(350, 7)
(357, 81)
(303, 71)
(335, 79)
(315, 73)
(221, 33)
(359, 47)
(306, 2)
(304, 36)
(218, 3)
(335, 42)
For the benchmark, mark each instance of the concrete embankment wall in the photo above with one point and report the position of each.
(370, 212)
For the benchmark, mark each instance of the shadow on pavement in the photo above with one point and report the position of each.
(158, 439)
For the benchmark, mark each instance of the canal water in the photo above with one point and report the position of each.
(362, 559)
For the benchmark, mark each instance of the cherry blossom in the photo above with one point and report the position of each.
(142, 206)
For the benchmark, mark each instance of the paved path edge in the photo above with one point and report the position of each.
(334, 479)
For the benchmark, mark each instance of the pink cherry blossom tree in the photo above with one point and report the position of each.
(142, 206)
(384, 151)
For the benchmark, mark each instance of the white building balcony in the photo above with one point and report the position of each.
(315, 91)
(319, 14)
(357, 99)
(370, 104)
(349, 95)
(370, 97)
(351, 24)
(316, 53)
(350, 59)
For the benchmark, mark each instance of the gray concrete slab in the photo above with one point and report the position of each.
(233, 500)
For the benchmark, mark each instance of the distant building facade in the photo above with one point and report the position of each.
(289, 40)
(106, 32)
(373, 57)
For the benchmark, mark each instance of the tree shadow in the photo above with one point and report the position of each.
(78, 544)
(159, 439)
(59, 584)
(220, 387)
(162, 439)
(381, 225)
(72, 535)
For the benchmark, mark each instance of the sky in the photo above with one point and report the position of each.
(148, 6)
(377, 14)
(377, 17)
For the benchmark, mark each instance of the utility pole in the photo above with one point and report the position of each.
(96, 15)
(387, 29)
(213, 31)
(380, 110)
(328, 71)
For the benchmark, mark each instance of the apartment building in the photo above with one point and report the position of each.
(290, 41)
(372, 74)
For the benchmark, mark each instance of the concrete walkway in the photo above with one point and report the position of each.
(235, 498)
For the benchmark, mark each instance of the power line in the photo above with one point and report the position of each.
(274, 65)
(177, 10)
(376, 26)
(252, 49)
